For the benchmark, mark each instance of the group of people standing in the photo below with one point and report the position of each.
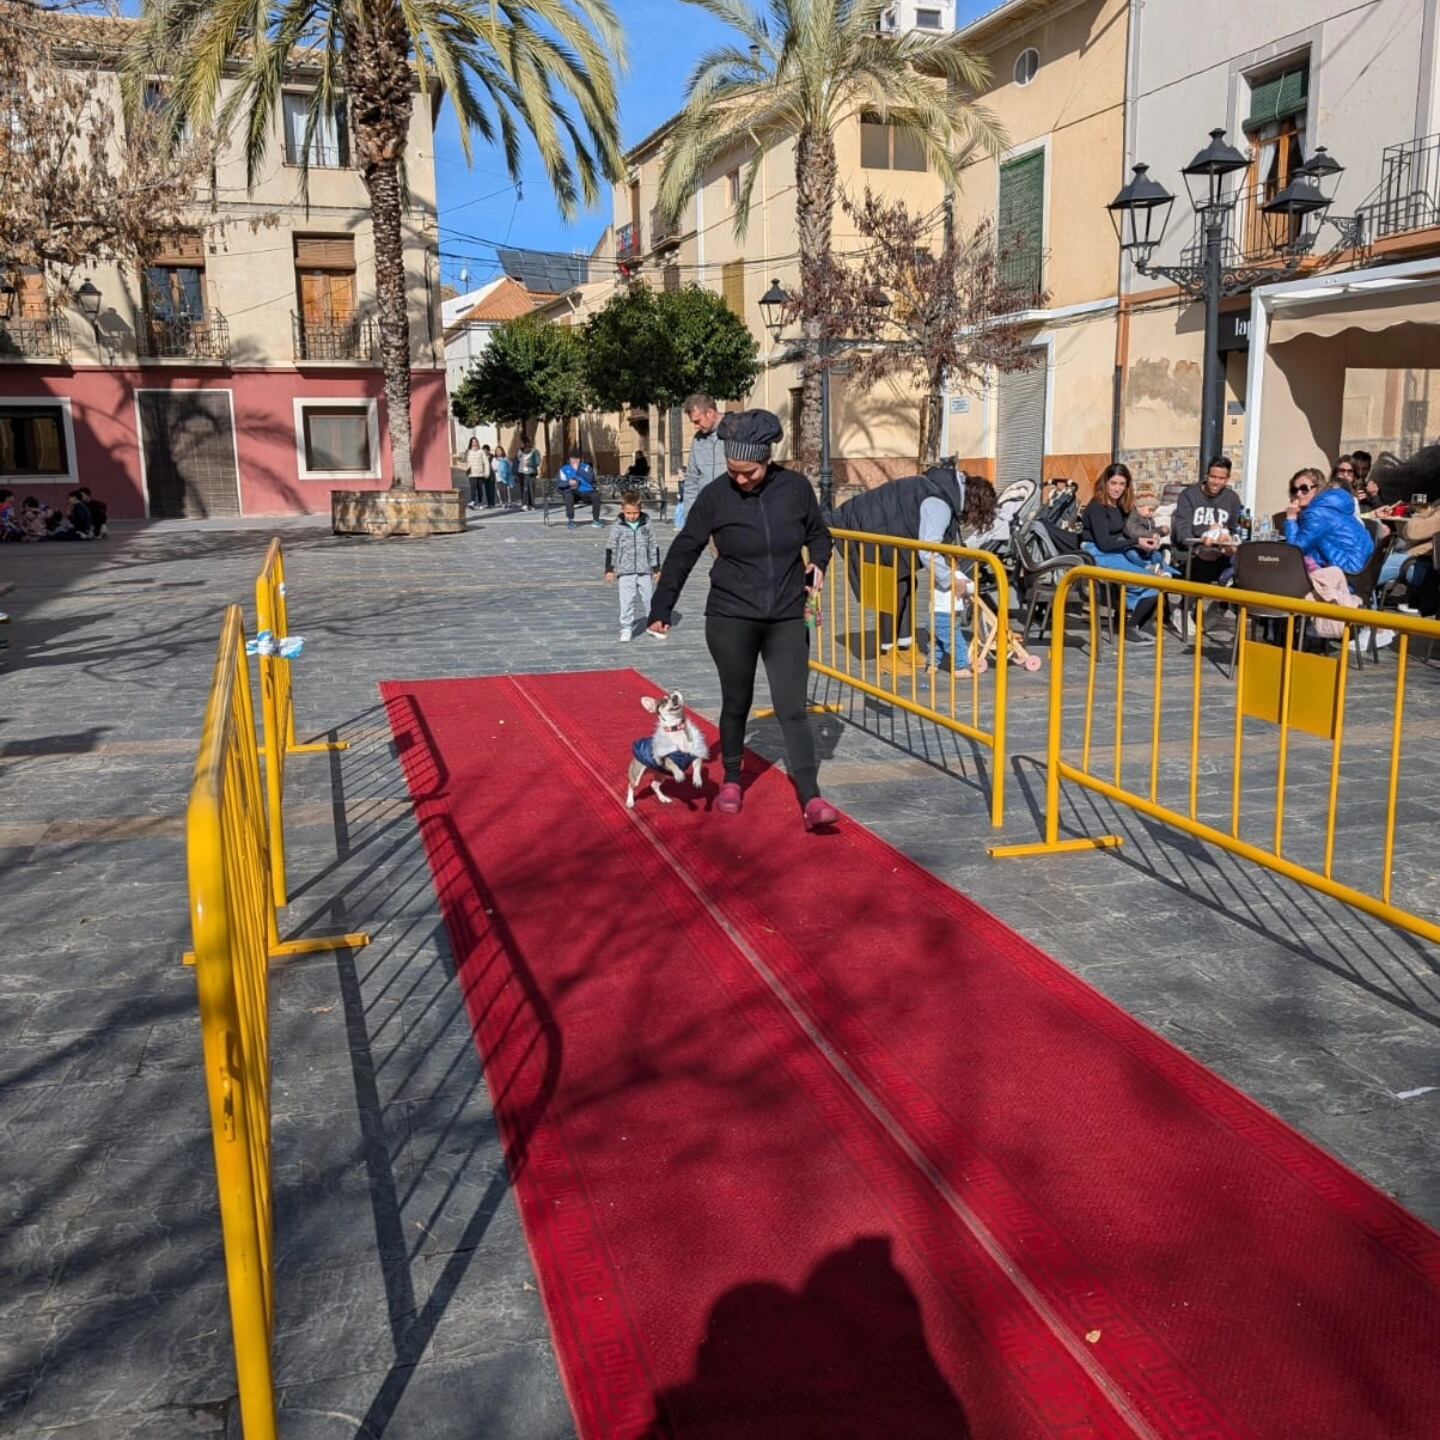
(499, 481)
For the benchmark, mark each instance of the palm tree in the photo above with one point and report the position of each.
(808, 67)
(542, 67)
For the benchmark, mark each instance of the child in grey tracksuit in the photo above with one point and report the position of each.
(632, 560)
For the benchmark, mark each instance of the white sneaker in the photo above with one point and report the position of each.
(626, 637)
(1384, 638)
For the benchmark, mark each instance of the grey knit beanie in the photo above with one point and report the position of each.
(749, 434)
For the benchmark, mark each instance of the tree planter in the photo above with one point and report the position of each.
(397, 512)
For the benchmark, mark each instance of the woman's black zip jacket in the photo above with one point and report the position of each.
(759, 572)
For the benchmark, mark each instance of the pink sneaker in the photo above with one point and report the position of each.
(731, 799)
(818, 812)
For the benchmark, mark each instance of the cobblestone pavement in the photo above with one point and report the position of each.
(407, 1305)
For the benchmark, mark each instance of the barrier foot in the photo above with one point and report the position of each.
(317, 749)
(318, 945)
(769, 714)
(1060, 847)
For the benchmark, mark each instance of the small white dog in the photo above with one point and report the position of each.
(676, 745)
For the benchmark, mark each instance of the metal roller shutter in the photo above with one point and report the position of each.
(187, 438)
(1020, 442)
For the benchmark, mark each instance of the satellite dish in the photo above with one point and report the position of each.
(464, 277)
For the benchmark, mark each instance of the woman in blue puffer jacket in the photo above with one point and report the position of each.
(1323, 524)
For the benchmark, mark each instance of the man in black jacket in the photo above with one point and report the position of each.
(771, 550)
(915, 507)
(1210, 505)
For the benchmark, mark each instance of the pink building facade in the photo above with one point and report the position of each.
(237, 373)
(181, 441)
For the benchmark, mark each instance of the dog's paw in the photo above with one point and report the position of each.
(661, 796)
(630, 801)
(697, 780)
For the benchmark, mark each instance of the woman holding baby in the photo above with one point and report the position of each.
(771, 550)
(1106, 541)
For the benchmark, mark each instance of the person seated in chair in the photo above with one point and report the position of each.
(1205, 511)
(577, 482)
(1321, 523)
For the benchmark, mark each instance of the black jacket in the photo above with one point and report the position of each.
(894, 508)
(759, 573)
(1104, 528)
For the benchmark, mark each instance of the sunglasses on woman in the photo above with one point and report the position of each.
(1301, 489)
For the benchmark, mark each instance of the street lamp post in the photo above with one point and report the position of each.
(775, 307)
(1141, 212)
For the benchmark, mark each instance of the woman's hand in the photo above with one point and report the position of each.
(609, 577)
(1292, 510)
(814, 579)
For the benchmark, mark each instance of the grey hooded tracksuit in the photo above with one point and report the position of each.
(632, 554)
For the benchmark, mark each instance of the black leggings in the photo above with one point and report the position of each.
(735, 646)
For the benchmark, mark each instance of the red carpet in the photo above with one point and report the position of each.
(809, 1146)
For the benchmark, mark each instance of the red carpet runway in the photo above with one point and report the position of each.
(810, 1147)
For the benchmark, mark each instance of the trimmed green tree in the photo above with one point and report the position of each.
(531, 370)
(645, 348)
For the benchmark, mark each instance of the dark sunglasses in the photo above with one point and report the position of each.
(1301, 489)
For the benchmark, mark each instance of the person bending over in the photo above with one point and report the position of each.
(771, 549)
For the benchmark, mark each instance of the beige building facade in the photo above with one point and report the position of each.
(240, 373)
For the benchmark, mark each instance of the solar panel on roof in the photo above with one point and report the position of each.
(545, 273)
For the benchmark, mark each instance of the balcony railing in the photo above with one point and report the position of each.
(627, 242)
(185, 337)
(354, 338)
(35, 338)
(1408, 196)
(661, 229)
(1020, 280)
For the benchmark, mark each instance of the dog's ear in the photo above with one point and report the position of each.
(650, 703)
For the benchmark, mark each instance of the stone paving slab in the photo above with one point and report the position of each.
(406, 1300)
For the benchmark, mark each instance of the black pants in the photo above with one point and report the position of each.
(482, 490)
(593, 497)
(735, 646)
(523, 489)
(893, 628)
(1204, 570)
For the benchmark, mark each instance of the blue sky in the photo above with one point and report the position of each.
(478, 204)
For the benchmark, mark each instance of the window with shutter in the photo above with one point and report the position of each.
(672, 279)
(1021, 223)
(1278, 97)
(325, 278)
(732, 286)
(329, 147)
(884, 147)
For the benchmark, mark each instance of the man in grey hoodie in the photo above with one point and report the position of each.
(707, 450)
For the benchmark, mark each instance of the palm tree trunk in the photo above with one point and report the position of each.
(815, 177)
(383, 181)
(379, 80)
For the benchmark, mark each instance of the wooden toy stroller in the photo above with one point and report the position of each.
(985, 640)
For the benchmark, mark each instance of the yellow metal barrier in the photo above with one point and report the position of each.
(879, 588)
(232, 915)
(278, 705)
(1296, 692)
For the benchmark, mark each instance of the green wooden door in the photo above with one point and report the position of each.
(1021, 225)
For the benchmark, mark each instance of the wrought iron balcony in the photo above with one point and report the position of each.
(627, 242)
(185, 337)
(1020, 280)
(661, 229)
(1408, 196)
(46, 337)
(355, 338)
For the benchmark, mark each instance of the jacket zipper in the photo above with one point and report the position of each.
(769, 557)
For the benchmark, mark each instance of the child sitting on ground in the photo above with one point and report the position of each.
(632, 559)
(1145, 534)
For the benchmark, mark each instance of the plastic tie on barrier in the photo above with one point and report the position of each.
(290, 648)
(280, 588)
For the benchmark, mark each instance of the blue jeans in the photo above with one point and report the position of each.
(1133, 595)
(1390, 570)
(944, 637)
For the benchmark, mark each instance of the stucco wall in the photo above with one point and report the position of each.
(107, 450)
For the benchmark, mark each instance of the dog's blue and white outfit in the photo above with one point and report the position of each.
(644, 751)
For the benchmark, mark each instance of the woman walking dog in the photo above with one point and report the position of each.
(760, 517)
